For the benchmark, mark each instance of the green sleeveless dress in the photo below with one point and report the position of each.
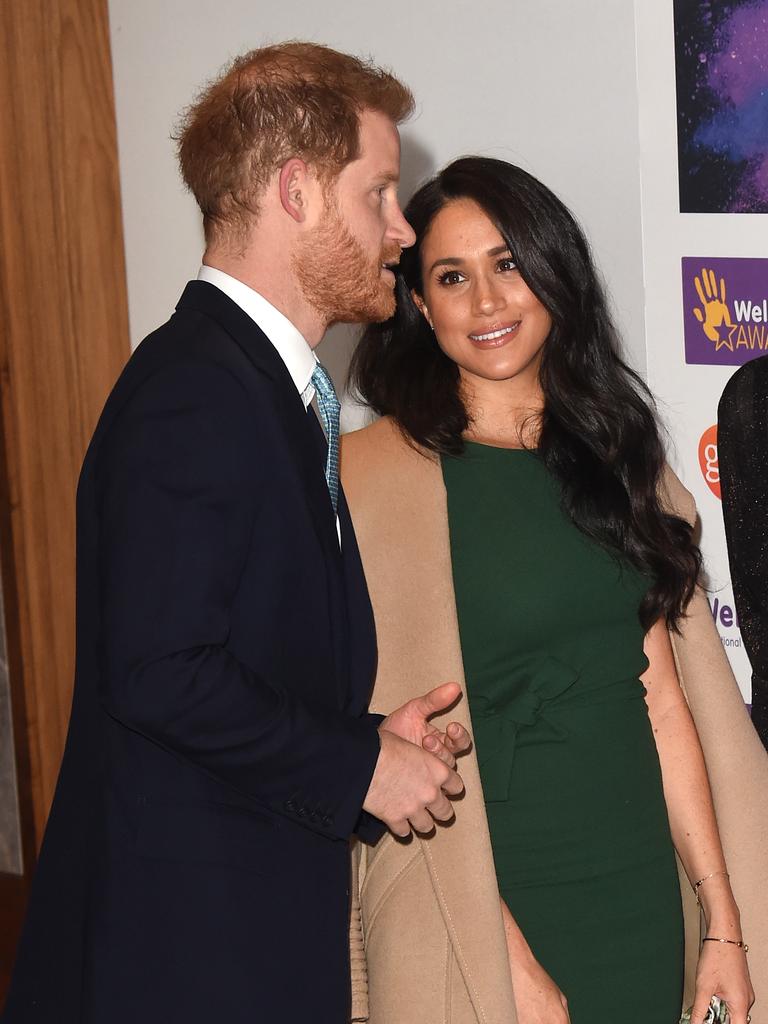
(552, 649)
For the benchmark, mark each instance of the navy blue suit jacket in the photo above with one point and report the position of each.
(195, 864)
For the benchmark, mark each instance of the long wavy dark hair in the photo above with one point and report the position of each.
(599, 436)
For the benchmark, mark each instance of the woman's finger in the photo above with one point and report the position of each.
(738, 1009)
(701, 1005)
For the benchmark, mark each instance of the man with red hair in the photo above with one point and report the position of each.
(220, 754)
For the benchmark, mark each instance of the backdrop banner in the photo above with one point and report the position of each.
(703, 110)
(722, 105)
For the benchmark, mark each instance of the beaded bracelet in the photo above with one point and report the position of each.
(731, 942)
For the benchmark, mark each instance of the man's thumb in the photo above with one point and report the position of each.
(438, 699)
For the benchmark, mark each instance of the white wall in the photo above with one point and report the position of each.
(581, 94)
(550, 85)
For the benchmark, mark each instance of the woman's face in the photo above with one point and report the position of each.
(485, 317)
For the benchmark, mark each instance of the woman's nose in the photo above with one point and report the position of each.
(488, 298)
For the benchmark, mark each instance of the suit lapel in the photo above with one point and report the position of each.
(299, 424)
(308, 446)
(305, 443)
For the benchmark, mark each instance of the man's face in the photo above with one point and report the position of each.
(341, 265)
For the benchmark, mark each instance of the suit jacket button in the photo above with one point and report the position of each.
(290, 806)
(301, 811)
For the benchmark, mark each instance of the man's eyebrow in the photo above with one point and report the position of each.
(388, 176)
(456, 261)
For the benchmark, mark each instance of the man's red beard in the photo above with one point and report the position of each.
(339, 280)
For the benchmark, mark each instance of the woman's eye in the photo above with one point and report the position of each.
(450, 277)
(506, 264)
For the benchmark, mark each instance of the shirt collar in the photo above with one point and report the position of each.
(290, 343)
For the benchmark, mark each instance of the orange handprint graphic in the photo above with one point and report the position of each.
(715, 313)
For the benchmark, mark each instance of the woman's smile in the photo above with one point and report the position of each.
(495, 337)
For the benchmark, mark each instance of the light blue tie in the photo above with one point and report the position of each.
(329, 407)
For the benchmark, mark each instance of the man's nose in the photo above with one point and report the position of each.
(400, 230)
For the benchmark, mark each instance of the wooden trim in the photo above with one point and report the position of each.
(63, 341)
(64, 323)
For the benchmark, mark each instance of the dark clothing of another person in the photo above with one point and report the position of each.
(195, 867)
(742, 441)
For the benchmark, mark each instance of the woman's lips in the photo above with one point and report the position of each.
(495, 337)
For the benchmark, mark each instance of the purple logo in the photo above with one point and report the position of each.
(725, 310)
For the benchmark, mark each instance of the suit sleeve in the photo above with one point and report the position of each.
(179, 484)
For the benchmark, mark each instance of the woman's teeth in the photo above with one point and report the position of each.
(493, 335)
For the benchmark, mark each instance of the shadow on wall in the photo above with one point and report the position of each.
(417, 164)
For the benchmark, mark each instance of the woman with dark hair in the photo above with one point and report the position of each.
(519, 529)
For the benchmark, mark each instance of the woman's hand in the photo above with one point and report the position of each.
(723, 972)
(537, 998)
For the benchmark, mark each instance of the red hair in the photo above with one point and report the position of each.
(289, 100)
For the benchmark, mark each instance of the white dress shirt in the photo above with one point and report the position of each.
(289, 343)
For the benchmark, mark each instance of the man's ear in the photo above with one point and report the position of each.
(421, 306)
(296, 186)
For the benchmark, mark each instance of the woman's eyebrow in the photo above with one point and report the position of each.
(456, 261)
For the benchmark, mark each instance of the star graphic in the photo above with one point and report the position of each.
(722, 342)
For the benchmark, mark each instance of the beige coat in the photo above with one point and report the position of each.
(428, 931)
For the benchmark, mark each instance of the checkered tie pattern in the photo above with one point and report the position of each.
(329, 407)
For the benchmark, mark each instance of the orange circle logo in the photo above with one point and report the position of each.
(710, 468)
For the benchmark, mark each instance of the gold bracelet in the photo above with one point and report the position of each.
(731, 942)
(701, 881)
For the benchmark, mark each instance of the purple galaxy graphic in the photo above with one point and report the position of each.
(721, 52)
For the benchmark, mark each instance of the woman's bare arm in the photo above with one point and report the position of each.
(722, 966)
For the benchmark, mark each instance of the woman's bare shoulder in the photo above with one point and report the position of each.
(675, 496)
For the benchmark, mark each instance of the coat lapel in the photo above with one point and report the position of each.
(737, 765)
(399, 509)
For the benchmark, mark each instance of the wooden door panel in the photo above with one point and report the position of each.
(63, 341)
